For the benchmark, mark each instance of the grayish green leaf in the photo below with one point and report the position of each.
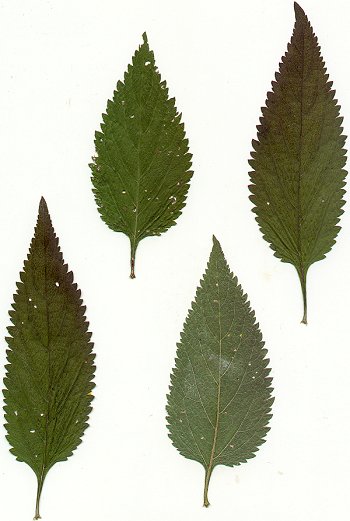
(220, 396)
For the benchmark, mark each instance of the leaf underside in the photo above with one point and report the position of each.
(141, 170)
(50, 367)
(298, 158)
(220, 395)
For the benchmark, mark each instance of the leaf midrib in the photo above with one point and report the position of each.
(45, 469)
(48, 408)
(301, 138)
(138, 172)
(217, 420)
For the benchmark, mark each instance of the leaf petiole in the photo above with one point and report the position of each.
(41, 480)
(132, 259)
(206, 487)
(302, 272)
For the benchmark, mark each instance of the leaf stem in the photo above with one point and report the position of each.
(302, 277)
(132, 267)
(133, 247)
(38, 496)
(208, 472)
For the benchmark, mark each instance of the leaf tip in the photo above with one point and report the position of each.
(299, 11)
(215, 241)
(43, 209)
(217, 246)
(144, 36)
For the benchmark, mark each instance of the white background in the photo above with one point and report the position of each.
(59, 62)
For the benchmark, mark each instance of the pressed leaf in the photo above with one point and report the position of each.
(48, 383)
(298, 158)
(220, 395)
(141, 170)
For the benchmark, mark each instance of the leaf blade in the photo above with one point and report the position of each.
(298, 159)
(48, 382)
(220, 387)
(141, 171)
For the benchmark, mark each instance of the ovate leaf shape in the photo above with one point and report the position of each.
(141, 170)
(48, 383)
(298, 159)
(220, 395)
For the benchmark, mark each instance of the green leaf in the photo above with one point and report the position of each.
(220, 395)
(298, 159)
(141, 171)
(48, 383)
